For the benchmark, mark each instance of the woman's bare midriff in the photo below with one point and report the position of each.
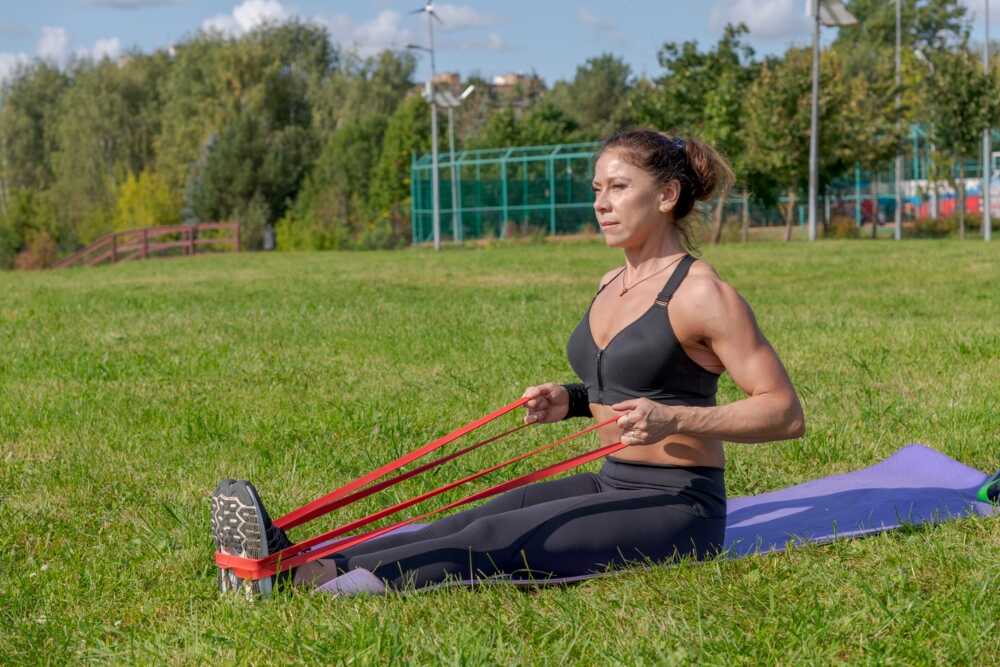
(678, 450)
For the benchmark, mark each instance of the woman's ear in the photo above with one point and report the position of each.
(670, 192)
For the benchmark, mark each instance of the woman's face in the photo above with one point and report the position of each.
(629, 204)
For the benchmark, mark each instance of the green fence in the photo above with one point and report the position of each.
(547, 189)
(507, 191)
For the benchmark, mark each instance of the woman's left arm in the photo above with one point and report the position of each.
(723, 320)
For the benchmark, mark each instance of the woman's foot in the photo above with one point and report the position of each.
(241, 527)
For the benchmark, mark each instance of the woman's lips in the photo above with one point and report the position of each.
(606, 225)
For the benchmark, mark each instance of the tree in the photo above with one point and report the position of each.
(250, 162)
(332, 208)
(500, 130)
(704, 93)
(407, 134)
(958, 114)
(596, 97)
(546, 124)
(929, 25)
(29, 217)
(145, 201)
(30, 99)
(358, 88)
(690, 77)
(273, 72)
(259, 142)
(105, 129)
(778, 122)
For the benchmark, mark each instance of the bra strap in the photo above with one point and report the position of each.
(676, 278)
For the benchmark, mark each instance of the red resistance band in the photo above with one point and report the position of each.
(303, 552)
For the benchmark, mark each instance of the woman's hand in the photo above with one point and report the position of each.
(645, 422)
(548, 403)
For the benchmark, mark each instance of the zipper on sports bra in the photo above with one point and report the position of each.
(600, 378)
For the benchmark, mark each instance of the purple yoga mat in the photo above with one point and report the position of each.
(913, 486)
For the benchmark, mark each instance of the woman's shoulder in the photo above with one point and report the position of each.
(703, 290)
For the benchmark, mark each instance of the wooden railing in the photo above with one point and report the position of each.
(154, 242)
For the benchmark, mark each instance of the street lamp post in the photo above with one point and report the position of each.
(987, 144)
(898, 231)
(829, 13)
(450, 102)
(814, 126)
(428, 9)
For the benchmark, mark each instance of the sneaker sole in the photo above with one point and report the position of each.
(237, 529)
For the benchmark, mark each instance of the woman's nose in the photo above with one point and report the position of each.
(601, 202)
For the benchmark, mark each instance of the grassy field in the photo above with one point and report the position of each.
(128, 391)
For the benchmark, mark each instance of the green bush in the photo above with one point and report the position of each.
(40, 252)
(928, 228)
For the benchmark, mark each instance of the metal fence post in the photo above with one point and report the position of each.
(550, 167)
(503, 197)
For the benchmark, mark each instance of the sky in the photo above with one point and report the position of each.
(487, 37)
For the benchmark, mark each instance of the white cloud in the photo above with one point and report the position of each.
(103, 48)
(246, 16)
(767, 19)
(53, 45)
(385, 31)
(389, 29)
(9, 62)
(460, 17)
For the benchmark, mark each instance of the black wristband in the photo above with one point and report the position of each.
(579, 401)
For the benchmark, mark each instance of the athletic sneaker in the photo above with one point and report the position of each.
(989, 492)
(241, 527)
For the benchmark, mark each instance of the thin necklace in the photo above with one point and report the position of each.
(626, 288)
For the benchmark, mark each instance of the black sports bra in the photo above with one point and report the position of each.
(644, 359)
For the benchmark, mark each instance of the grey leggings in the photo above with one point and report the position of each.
(576, 525)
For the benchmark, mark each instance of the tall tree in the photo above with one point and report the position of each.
(360, 87)
(596, 97)
(107, 122)
(704, 93)
(778, 122)
(929, 25)
(333, 204)
(407, 134)
(958, 114)
(30, 99)
(274, 71)
(546, 124)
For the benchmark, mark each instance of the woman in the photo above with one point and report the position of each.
(650, 349)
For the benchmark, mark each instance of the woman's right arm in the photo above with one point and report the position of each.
(547, 403)
(552, 402)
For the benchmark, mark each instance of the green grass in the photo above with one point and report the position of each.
(127, 392)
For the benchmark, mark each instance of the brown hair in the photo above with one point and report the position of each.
(701, 171)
